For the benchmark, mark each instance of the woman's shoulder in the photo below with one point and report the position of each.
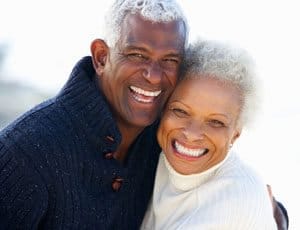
(239, 174)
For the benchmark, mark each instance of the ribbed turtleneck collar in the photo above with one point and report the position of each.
(192, 181)
(85, 103)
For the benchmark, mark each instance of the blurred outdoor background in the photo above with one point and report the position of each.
(40, 41)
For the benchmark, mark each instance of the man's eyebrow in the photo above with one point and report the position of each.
(137, 48)
(171, 52)
(174, 54)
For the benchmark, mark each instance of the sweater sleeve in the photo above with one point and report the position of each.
(23, 194)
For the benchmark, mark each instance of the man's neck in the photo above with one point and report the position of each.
(129, 134)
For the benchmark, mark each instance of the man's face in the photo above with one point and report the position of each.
(141, 71)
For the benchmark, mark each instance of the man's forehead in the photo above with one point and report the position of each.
(132, 23)
(136, 31)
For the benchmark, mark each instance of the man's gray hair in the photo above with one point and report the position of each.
(228, 64)
(153, 10)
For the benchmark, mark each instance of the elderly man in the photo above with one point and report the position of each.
(86, 159)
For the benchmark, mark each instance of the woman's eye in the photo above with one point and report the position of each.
(217, 123)
(179, 112)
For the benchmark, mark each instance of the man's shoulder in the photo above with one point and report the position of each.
(27, 142)
(31, 127)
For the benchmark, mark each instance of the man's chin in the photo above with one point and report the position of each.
(142, 121)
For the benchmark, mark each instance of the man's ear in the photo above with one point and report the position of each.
(99, 51)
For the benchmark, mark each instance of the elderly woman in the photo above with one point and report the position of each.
(200, 182)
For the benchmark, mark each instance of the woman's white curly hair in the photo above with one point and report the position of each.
(229, 64)
(153, 10)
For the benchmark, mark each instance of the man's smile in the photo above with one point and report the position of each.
(144, 96)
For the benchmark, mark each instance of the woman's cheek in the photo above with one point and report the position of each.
(163, 132)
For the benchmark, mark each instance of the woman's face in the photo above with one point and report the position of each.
(199, 124)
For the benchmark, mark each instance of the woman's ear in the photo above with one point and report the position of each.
(99, 51)
(236, 135)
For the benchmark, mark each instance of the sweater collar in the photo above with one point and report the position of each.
(192, 181)
(87, 106)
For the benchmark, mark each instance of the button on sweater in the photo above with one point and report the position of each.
(54, 169)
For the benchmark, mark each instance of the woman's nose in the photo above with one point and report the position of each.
(194, 131)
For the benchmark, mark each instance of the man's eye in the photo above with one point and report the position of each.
(171, 62)
(179, 112)
(136, 57)
(217, 123)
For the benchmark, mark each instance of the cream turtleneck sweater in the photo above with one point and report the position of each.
(227, 196)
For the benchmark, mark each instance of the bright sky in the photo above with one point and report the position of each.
(46, 38)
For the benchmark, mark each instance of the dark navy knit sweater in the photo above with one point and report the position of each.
(56, 171)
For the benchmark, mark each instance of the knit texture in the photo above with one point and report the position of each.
(228, 196)
(53, 169)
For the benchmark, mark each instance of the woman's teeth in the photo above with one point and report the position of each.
(188, 151)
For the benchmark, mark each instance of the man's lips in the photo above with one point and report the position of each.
(144, 96)
(189, 152)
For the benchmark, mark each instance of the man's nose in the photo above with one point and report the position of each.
(153, 73)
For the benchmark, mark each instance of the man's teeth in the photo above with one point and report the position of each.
(189, 152)
(148, 100)
(144, 92)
